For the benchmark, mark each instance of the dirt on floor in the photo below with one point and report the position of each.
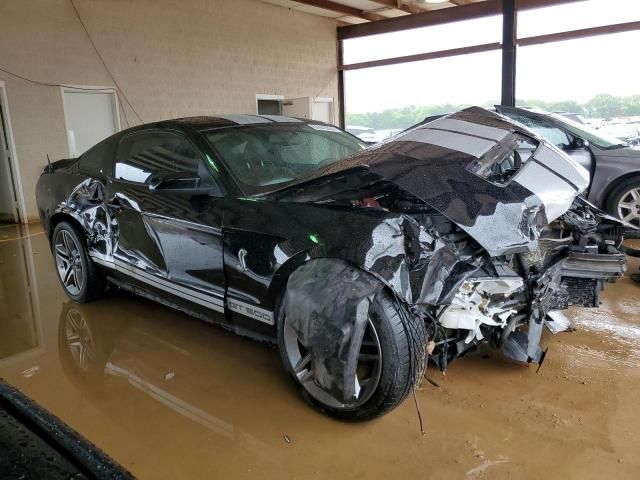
(169, 396)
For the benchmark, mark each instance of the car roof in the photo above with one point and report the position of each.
(219, 121)
(212, 122)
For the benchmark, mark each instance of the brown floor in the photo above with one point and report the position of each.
(170, 397)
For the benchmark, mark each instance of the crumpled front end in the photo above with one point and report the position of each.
(576, 255)
(477, 224)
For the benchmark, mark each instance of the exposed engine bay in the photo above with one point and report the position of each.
(509, 299)
(506, 300)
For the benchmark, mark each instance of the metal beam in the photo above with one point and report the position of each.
(581, 33)
(452, 52)
(343, 9)
(341, 95)
(509, 36)
(439, 17)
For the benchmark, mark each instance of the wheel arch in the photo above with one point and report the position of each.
(281, 278)
(60, 217)
(606, 194)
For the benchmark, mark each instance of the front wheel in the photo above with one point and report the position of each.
(624, 201)
(391, 362)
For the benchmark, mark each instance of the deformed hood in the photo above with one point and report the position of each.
(498, 181)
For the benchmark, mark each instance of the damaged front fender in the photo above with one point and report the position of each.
(327, 305)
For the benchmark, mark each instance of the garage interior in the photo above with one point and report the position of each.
(178, 398)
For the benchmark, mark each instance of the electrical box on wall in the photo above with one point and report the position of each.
(314, 108)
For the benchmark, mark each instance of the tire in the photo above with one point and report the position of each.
(402, 340)
(79, 277)
(628, 193)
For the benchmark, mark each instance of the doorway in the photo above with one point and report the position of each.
(269, 104)
(91, 115)
(9, 205)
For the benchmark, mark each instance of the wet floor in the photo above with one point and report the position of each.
(168, 396)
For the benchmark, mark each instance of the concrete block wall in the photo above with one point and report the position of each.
(171, 58)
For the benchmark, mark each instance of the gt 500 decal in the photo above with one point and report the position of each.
(251, 311)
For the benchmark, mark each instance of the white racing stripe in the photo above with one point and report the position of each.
(244, 119)
(470, 128)
(556, 194)
(210, 300)
(459, 142)
(207, 299)
(282, 119)
(102, 260)
(565, 166)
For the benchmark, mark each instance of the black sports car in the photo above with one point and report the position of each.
(360, 264)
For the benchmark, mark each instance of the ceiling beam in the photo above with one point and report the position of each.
(438, 17)
(418, 57)
(400, 5)
(343, 9)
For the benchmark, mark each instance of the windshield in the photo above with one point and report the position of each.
(268, 156)
(599, 139)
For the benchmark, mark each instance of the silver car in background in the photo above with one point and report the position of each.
(614, 167)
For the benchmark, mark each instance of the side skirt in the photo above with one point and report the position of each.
(149, 295)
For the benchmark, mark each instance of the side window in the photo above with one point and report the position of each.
(545, 129)
(141, 156)
(97, 160)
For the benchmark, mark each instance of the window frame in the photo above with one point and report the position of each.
(169, 131)
(110, 144)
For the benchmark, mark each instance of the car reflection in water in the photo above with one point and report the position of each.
(112, 349)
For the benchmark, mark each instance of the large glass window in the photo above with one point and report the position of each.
(590, 80)
(576, 15)
(391, 98)
(423, 40)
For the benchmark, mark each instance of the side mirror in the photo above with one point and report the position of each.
(185, 183)
(579, 143)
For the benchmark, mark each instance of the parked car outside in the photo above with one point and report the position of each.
(614, 167)
(358, 263)
(627, 132)
(366, 134)
(576, 117)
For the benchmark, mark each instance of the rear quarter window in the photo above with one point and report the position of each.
(99, 159)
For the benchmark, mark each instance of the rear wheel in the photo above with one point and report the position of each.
(78, 275)
(391, 362)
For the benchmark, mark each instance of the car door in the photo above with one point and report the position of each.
(551, 132)
(167, 227)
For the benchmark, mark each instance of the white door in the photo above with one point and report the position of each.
(8, 203)
(323, 110)
(91, 116)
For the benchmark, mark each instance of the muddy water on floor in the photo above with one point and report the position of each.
(171, 397)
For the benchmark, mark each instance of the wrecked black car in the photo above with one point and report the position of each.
(360, 264)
